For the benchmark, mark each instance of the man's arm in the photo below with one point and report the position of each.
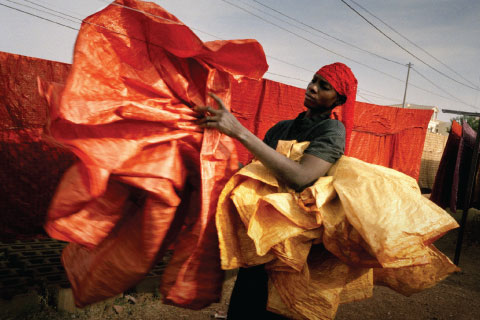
(297, 175)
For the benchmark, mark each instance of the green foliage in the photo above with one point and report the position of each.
(471, 120)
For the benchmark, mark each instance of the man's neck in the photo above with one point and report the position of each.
(317, 114)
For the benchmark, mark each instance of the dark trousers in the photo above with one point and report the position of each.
(249, 296)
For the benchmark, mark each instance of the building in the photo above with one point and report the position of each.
(435, 125)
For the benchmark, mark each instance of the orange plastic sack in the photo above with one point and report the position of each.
(365, 216)
(148, 176)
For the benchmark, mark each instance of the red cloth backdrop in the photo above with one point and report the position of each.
(388, 136)
(260, 104)
(30, 167)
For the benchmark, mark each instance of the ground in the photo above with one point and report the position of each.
(457, 297)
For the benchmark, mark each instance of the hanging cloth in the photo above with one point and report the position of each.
(148, 177)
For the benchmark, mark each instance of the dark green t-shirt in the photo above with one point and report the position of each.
(326, 136)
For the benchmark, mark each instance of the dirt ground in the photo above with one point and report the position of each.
(457, 297)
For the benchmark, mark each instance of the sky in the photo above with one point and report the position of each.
(440, 38)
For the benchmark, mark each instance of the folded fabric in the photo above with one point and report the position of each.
(328, 244)
(147, 177)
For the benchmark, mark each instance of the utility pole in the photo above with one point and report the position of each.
(406, 84)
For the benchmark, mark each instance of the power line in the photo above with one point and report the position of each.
(87, 22)
(433, 93)
(34, 15)
(317, 30)
(145, 12)
(159, 17)
(280, 19)
(404, 49)
(377, 95)
(284, 76)
(219, 38)
(45, 3)
(274, 58)
(440, 88)
(310, 41)
(216, 37)
(40, 17)
(414, 44)
(55, 15)
(369, 101)
(290, 64)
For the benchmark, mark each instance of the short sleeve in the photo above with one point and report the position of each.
(276, 133)
(328, 141)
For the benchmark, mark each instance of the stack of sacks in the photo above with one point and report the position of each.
(148, 177)
(359, 225)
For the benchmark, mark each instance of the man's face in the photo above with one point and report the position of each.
(320, 95)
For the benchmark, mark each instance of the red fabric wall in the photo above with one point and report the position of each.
(388, 136)
(260, 104)
(30, 166)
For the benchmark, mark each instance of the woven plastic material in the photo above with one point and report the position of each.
(148, 176)
(366, 216)
(431, 156)
(30, 166)
(391, 137)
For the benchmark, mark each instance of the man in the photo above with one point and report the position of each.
(333, 85)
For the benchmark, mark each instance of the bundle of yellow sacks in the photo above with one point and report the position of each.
(360, 225)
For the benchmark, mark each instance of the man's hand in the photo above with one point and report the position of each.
(220, 118)
(297, 175)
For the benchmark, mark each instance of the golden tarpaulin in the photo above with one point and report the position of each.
(359, 225)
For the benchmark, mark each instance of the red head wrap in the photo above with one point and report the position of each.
(344, 82)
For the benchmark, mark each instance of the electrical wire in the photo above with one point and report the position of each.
(290, 64)
(34, 15)
(216, 37)
(103, 27)
(87, 22)
(310, 41)
(47, 12)
(283, 76)
(377, 95)
(158, 17)
(414, 44)
(324, 33)
(440, 88)
(413, 85)
(269, 56)
(407, 51)
(289, 77)
(368, 100)
(277, 18)
(45, 3)
(438, 95)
